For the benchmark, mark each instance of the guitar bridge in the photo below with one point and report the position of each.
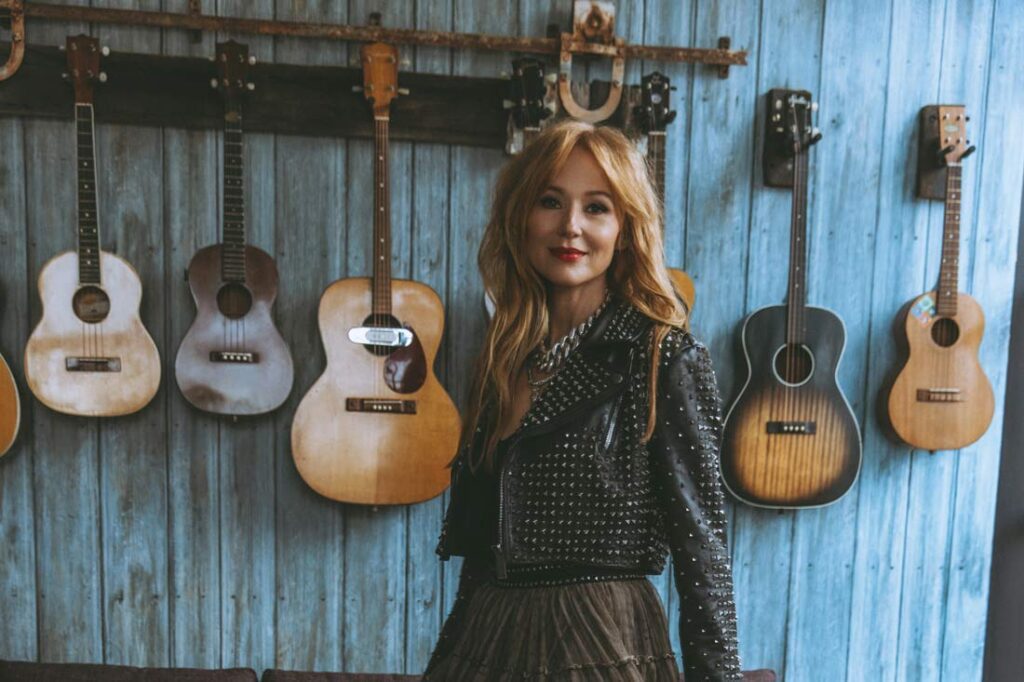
(808, 428)
(388, 405)
(939, 395)
(92, 364)
(234, 357)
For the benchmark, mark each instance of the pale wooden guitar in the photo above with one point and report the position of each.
(90, 354)
(941, 399)
(377, 427)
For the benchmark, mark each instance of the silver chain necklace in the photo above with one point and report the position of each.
(550, 360)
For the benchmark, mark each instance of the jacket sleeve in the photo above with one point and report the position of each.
(685, 460)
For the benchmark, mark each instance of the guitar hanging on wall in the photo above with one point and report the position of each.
(941, 399)
(10, 408)
(790, 439)
(377, 427)
(654, 114)
(233, 359)
(90, 354)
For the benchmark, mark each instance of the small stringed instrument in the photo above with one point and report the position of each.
(941, 399)
(377, 427)
(654, 114)
(790, 439)
(233, 359)
(10, 408)
(90, 354)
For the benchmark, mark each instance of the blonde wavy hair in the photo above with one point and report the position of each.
(637, 273)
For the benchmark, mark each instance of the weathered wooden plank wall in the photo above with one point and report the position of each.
(175, 538)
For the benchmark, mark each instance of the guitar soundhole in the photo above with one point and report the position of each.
(91, 304)
(794, 363)
(234, 300)
(378, 320)
(945, 332)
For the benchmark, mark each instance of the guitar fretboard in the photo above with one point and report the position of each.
(656, 157)
(796, 298)
(949, 268)
(233, 239)
(88, 220)
(381, 220)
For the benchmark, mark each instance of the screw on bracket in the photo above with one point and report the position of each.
(724, 43)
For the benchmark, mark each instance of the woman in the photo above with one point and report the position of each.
(590, 450)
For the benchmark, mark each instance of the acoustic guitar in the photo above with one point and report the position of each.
(790, 439)
(90, 354)
(653, 115)
(233, 359)
(10, 408)
(377, 427)
(941, 399)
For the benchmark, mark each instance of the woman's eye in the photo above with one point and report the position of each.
(549, 202)
(597, 207)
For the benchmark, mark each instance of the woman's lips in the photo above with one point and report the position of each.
(567, 255)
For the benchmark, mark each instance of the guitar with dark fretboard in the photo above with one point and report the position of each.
(790, 439)
(653, 115)
(90, 354)
(377, 427)
(941, 399)
(233, 359)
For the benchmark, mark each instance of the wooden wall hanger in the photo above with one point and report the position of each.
(193, 20)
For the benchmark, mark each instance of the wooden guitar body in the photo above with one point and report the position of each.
(941, 399)
(233, 359)
(791, 444)
(98, 369)
(683, 284)
(10, 408)
(353, 453)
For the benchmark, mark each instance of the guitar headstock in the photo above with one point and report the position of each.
(954, 146)
(789, 132)
(380, 76)
(527, 90)
(654, 112)
(798, 109)
(83, 54)
(233, 62)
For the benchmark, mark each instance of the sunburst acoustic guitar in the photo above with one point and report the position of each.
(790, 439)
(90, 354)
(233, 359)
(941, 399)
(377, 427)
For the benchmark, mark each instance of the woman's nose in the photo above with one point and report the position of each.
(572, 222)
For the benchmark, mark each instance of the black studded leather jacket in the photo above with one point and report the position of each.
(580, 492)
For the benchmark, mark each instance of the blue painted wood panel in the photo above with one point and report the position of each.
(172, 537)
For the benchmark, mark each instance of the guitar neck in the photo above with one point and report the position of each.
(949, 268)
(88, 219)
(381, 220)
(796, 297)
(233, 224)
(656, 157)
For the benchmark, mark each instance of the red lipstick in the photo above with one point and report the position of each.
(567, 254)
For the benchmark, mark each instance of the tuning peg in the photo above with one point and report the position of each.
(62, 47)
(405, 62)
(250, 86)
(105, 51)
(214, 83)
(551, 78)
(505, 74)
(403, 91)
(252, 60)
(814, 106)
(102, 76)
(507, 104)
(64, 75)
(357, 88)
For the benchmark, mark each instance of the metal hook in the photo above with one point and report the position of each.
(17, 19)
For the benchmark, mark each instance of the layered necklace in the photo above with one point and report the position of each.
(551, 360)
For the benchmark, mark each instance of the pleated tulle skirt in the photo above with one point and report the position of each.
(611, 631)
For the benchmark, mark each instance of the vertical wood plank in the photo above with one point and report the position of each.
(430, 236)
(915, 44)
(247, 474)
(788, 56)
(991, 280)
(65, 449)
(18, 589)
(133, 456)
(717, 210)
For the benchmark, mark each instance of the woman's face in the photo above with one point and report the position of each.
(573, 227)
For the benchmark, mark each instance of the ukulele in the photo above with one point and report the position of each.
(233, 359)
(941, 399)
(654, 115)
(377, 427)
(90, 354)
(790, 439)
(10, 408)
